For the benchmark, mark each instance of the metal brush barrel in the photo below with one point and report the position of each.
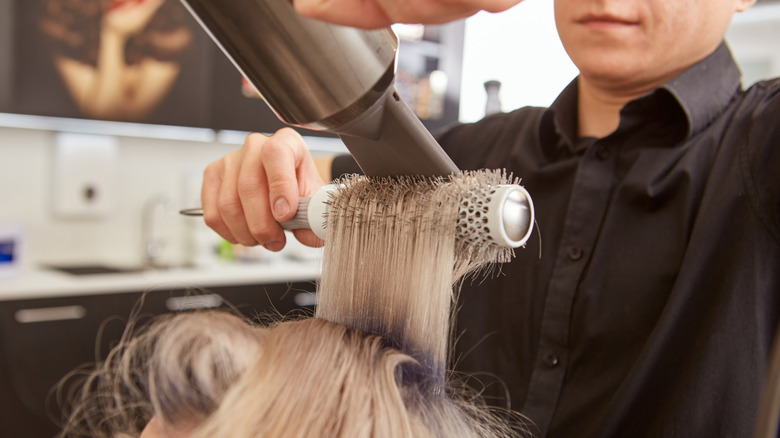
(311, 73)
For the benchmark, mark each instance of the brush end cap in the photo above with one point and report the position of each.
(512, 210)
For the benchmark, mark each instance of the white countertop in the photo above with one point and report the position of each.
(41, 283)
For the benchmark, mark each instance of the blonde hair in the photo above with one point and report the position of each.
(392, 258)
(178, 367)
(319, 378)
(372, 363)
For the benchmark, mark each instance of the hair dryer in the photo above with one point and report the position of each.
(326, 77)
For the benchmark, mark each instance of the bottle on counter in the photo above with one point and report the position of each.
(493, 102)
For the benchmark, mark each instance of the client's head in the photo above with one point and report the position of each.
(211, 374)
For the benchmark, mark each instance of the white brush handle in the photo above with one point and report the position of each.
(311, 212)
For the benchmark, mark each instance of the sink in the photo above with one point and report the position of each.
(92, 269)
(100, 269)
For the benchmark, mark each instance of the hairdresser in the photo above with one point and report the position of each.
(647, 305)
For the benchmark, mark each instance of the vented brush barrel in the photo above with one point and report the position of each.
(502, 214)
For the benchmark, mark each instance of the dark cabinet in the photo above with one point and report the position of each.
(42, 340)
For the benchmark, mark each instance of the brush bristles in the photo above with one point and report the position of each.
(393, 254)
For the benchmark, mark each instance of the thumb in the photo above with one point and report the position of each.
(283, 156)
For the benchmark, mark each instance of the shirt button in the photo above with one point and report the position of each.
(552, 360)
(603, 153)
(575, 253)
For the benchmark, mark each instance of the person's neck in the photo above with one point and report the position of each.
(599, 108)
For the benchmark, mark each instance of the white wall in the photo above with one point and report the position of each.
(148, 167)
(753, 38)
(520, 48)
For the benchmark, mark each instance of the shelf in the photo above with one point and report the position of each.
(101, 127)
(154, 132)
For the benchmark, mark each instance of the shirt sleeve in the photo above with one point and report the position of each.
(762, 154)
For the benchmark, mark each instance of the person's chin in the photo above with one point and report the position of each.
(612, 74)
(606, 56)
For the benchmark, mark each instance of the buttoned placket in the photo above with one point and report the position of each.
(590, 196)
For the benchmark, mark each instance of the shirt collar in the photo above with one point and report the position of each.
(559, 123)
(704, 90)
(702, 93)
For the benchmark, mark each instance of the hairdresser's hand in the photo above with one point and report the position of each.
(381, 13)
(247, 192)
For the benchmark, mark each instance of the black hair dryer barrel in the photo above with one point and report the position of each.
(326, 77)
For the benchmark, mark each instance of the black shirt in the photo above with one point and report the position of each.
(647, 301)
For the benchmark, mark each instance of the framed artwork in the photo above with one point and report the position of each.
(143, 61)
(149, 61)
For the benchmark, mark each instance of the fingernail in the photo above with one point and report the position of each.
(281, 208)
(274, 246)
